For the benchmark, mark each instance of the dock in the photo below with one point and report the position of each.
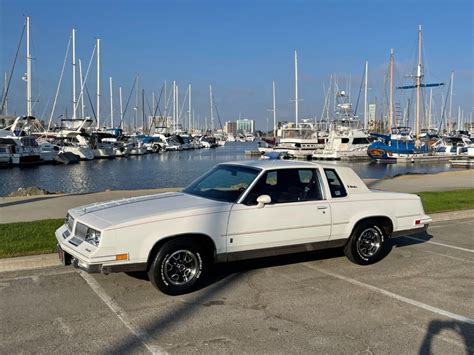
(420, 158)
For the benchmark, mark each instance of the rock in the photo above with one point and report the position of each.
(29, 191)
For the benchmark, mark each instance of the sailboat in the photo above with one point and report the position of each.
(21, 147)
(298, 139)
(401, 142)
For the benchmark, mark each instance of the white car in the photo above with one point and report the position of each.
(238, 210)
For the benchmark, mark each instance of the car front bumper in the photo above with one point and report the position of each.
(69, 256)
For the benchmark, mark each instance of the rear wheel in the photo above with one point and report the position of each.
(178, 266)
(367, 244)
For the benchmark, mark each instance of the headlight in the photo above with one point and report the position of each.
(69, 221)
(92, 236)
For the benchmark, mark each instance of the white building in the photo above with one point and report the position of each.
(245, 126)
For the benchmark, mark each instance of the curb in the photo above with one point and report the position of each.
(453, 215)
(48, 260)
(29, 262)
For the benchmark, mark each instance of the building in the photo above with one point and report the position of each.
(245, 126)
(230, 127)
(372, 112)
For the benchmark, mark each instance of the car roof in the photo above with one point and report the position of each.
(267, 164)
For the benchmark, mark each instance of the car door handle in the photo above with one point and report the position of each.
(322, 207)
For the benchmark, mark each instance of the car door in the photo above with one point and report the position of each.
(298, 213)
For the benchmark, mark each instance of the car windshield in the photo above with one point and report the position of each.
(223, 183)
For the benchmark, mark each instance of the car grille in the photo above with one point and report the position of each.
(81, 230)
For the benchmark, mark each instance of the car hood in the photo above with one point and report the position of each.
(122, 212)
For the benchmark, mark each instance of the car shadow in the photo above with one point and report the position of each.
(221, 277)
(221, 271)
(414, 239)
(435, 327)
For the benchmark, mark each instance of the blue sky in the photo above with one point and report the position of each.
(239, 47)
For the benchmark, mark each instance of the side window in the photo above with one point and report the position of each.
(335, 184)
(287, 185)
(271, 178)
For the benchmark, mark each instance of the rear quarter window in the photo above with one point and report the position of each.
(335, 184)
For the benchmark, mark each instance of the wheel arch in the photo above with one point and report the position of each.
(384, 221)
(207, 241)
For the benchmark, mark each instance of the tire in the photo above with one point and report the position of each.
(367, 244)
(178, 266)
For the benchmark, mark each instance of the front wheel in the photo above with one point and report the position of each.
(367, 244)
(178, 266)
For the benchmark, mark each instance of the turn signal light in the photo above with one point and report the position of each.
(121, 257)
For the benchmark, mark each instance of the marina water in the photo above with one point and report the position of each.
(168, 169)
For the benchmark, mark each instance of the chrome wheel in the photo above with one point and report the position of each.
(369, 242)
(180, 267)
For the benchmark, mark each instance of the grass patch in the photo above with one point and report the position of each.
(447, 200)
(37, 237)
(28, 238)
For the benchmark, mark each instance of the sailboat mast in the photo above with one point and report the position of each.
(450, 118)
(366, 118)
(111, 104)
(121, 107)
(98, 83)
(144, 128)
(165, 111)
(153, 105)
(296, 88)
(174, 104)
(189, 108)
(274, 109)
(177, 108)
(212, 112)
(419, 76)
(81, 78)
(28, 69)
(390, 105)
(5, 93)
(74, 108)
(429, 114)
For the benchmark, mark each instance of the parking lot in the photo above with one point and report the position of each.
(419, 299)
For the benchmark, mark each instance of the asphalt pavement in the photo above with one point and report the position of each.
(418, 300)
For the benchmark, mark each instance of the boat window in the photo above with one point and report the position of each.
(345, 140)
(223, 183)
(360, 141)
(335, 184)
(287, 185)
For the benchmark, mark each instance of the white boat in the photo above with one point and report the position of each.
(6, 155)
(138, 148)
(72, 137)
(299, 141)
(102, 149)
(84, 153)
(23, 149)
(48, 151)
(76, 144)
(455, 145)
(122, 149)
(345, 141)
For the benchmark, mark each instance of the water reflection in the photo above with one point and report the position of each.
(170, 169)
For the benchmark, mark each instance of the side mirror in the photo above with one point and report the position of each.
(263, 200)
